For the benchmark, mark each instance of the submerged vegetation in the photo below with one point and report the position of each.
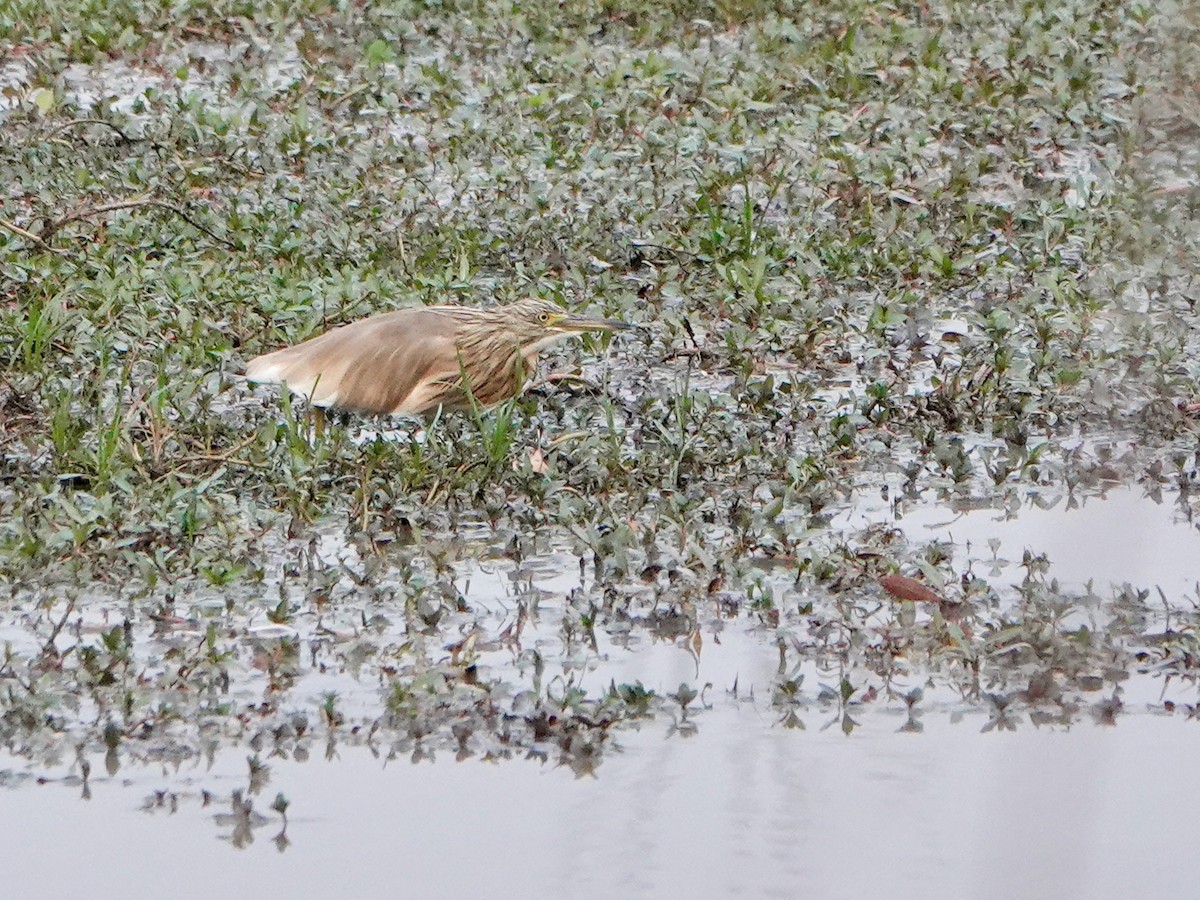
(941, 253)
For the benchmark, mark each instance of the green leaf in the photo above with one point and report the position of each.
(43, 98)
(377, 53)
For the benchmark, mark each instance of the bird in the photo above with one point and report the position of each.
(414, 361)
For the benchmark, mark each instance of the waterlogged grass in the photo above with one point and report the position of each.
(943, 250)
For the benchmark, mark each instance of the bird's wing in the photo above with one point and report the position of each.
(382, 364)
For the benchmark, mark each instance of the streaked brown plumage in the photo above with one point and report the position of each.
(412, 361)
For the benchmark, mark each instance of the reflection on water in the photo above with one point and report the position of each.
(655, 735)
(1120, 537)
(742, 809)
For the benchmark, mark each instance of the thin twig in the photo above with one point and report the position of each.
(67, 125)
(226, 457)
(170, 207)
(680, 251)
(353, 92)
(237, 167)
(28, 235)
(52, 228)
(219, 458)
(138, 203)
(18, 230)
(49, 644)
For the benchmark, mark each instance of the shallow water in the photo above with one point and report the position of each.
(724, 800)
(739, 809)
(1121, 536)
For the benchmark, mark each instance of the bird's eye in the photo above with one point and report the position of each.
(545, 317)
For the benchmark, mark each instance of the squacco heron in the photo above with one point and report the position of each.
(412, 361)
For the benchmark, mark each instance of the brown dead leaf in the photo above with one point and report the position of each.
(909, 589)
(537, 462)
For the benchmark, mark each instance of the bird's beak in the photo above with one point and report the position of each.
(583, 323)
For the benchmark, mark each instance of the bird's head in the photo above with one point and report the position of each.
(542, 323)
